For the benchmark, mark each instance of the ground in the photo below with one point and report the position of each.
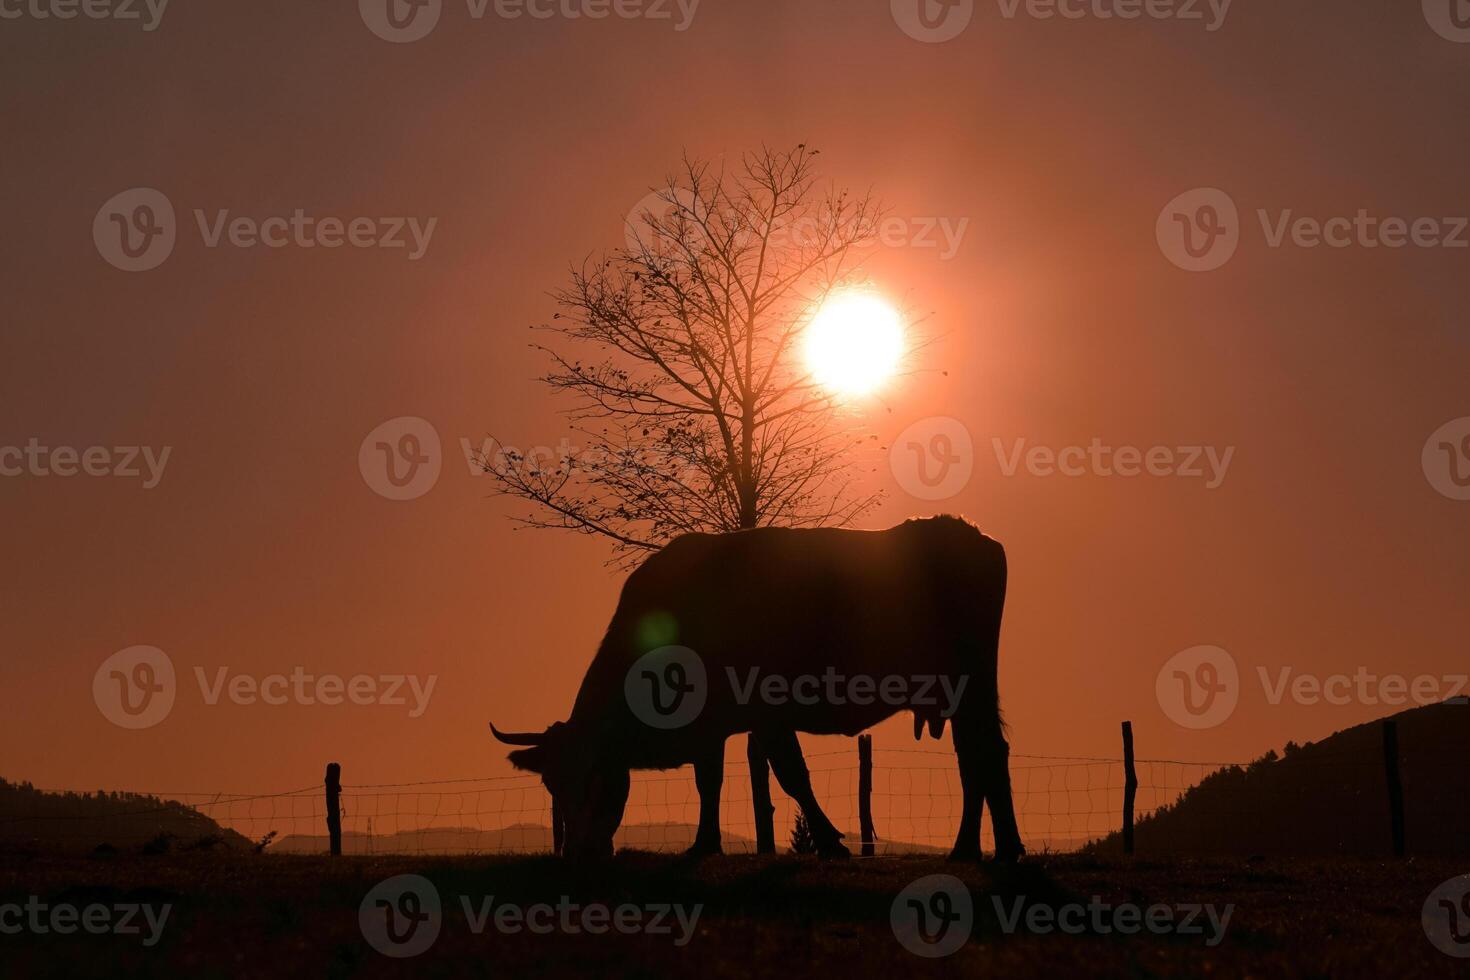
(243, 915)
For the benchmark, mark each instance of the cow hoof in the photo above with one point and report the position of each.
(1010, 855)
(698, 850)
(835, 851)
(966, 854)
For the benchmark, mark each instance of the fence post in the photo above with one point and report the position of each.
(1395, 786)
(1130, 787)
(865, 792)
(334, 807)
(760, 796)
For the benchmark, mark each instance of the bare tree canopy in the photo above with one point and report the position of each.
(680, 356)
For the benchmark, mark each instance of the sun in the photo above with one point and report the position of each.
(854, 343)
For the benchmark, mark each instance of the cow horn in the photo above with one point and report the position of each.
(518, 738)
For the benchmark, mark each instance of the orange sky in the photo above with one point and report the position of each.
(1057, 321)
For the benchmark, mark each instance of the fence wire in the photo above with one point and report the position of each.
(1061, 802)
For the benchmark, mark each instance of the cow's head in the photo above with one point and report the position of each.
(588, 792)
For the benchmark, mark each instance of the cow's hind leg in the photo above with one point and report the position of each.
(969, 749)
(984, 758)
(709, 777)
(996, 757)
(786, 760)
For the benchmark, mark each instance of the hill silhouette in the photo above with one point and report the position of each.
(522, 838)
(30, 817)
(1327, 797)
(529, 838)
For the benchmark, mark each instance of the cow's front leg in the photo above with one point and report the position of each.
(709, 777)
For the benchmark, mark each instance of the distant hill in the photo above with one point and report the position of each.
(521, 838)
(534, 838)
(1328, 797)
(31, 817)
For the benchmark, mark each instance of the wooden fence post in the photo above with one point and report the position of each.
(760, 796)
(865, 792)
(1395, 786)
(1130, 787)
(334, 807)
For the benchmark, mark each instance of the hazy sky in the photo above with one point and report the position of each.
(1058, 319)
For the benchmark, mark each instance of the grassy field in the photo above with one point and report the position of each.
(242, 915)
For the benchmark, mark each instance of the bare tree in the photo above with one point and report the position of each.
(680, 356)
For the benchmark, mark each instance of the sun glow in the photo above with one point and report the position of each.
(854, 343)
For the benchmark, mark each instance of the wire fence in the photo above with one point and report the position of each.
(1360, 793)
(1062, 802)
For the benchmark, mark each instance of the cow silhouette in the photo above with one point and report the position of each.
(921, 601)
